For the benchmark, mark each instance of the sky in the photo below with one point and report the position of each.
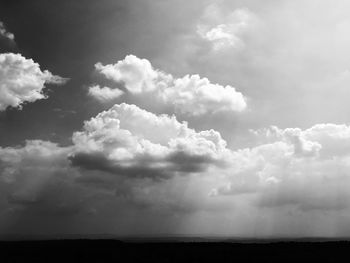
(164, 117)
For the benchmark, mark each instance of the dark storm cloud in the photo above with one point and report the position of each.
(142, 167)
(57, 197)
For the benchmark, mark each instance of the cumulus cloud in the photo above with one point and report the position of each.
(105, 93)
(307, 169)
(225, 30)
(129, 141)
(5, 33)
(190, 94)
(326, 139)
(21, 80)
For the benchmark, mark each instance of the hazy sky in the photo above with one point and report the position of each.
(175, 117)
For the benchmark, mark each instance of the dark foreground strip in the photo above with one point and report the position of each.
(118, 251)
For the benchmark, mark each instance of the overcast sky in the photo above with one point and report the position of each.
(194, 117)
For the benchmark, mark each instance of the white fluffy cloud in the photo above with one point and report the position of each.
(21, 80)
(5, 33)
(225, 30)
(190, 94)
(130, 141)
(105, 93)
(307, 169)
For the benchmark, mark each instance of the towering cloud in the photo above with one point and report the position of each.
(190, 94)
(129, 141)
(21, 80)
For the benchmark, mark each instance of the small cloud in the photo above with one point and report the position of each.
(225, 30)
(104, 94)
(5, 33)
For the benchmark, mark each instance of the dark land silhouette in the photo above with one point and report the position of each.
(140, 249)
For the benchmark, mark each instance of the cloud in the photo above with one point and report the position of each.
(132, 142)
(104, 94)
(5, 33)
(37, 180)
(21, 80)
(327, 139)
(42, 157)
(191, 94)
(137, 74)
(307, 169)
(273, 178)
(225, 30)
(37, 176)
